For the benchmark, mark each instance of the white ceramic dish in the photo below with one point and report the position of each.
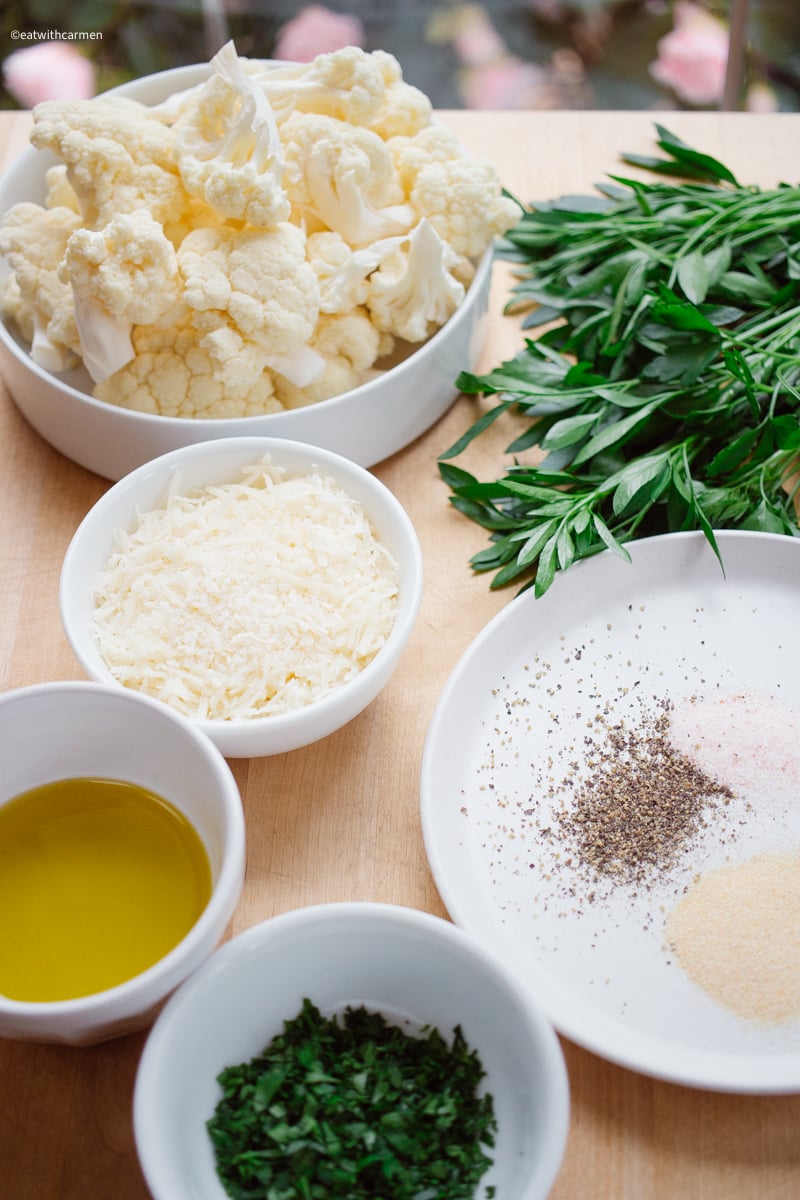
(71, 730)
(512, 717)
(367, 424)
(415, 968)
(219, 462)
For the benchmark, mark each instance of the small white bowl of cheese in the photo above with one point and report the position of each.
(263, 588)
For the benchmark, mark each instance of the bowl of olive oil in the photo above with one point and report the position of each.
(121, 859)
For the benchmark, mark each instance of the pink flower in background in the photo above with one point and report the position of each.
(48, 71)
(552, 11)
(692, 59)
(491, 76)
(508, 84)
(316, 30)
(475, 39)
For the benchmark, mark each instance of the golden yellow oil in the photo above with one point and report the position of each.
(99, 879)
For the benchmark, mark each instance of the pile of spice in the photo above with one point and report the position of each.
(749, 739)
(354, 1107)
(736, 934)
(638, 804)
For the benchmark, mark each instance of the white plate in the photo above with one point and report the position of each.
(668, 625)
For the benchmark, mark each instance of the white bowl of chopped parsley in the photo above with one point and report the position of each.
(351, 1050)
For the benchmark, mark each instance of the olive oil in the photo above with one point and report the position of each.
(99, 879)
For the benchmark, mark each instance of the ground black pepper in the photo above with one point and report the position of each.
(637, 804)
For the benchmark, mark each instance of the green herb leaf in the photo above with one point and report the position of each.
(568, 431)
(615, 433)
(688, 157)
(786, 430)
(650, 473)
(663, 388)
(609, 539)
(354, 1107)
(475, 430)
(681, 314)
(694, 276)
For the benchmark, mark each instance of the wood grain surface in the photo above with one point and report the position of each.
(340, 819)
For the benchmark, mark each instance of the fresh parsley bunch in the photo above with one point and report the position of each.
(663, 390)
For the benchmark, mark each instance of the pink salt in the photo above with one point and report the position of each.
(749, 741)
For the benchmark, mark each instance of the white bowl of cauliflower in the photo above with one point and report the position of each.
(244, 248)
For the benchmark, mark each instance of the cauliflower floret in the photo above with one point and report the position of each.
(13, 309)
(341, 177)
(404, 109)
(129, 266)
(434, 144)
(118, 158)
(349, 344)
(196, 215)
(413, 292)
(123, 275)
(38, 300)
(228, 149)
(460, 196)
(343, 273)
(176, 104)
(172, 375)
(357, 86)
(60, 192)
(254, 285)
(349, 84)
(352, 337)
(463, 202)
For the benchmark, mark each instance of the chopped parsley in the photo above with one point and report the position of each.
(350, 1107)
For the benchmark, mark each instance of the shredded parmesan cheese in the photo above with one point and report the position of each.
(246, 599)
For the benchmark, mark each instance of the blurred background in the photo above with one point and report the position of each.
(499, 54)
